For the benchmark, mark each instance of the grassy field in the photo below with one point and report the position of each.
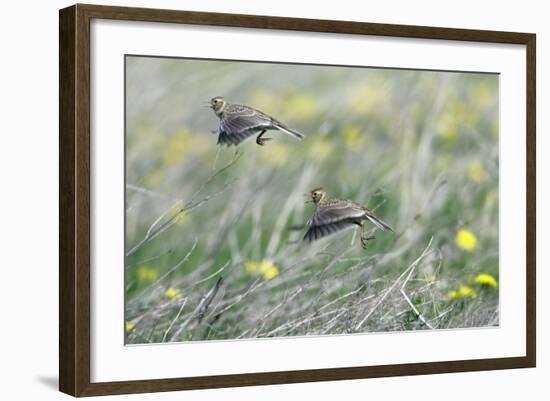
(213, 245)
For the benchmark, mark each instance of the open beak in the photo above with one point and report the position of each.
(208, 104)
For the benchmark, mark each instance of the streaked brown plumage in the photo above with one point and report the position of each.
(333, 215)
(239, 122)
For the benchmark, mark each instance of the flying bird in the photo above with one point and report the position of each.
(333, 215)
(238, 122)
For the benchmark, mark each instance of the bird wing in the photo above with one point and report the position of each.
(238, 118)
(316, 232)
(233, 138)
(342, 211)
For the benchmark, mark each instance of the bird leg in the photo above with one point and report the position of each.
(363, 238)
(261, 141)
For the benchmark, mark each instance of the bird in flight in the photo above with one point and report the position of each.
(332, 215)
(238, 122)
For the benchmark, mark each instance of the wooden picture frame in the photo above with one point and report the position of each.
(75, 208)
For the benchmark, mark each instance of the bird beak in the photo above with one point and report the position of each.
(208, 104)
(309, 201)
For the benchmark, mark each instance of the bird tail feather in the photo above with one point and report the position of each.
(290, 131)
(377, 222)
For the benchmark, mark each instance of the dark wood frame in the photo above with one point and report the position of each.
(74, 199)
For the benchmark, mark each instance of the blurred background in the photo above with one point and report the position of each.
(213, 245)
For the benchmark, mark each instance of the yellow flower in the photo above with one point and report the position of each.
(266, 268)
(463, 292)
(146, 274)
(485, 279)
(452, 295)
(171, 293)
(476, 172)
(466, 239)
(129, 327)
(270, 273)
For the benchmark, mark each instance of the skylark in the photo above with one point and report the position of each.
(333, 215)
(238, 122)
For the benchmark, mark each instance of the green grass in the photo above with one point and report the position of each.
(419, 147)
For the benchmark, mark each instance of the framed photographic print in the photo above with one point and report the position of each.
(250, 200)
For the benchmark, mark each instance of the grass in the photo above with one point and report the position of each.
(212, 249)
